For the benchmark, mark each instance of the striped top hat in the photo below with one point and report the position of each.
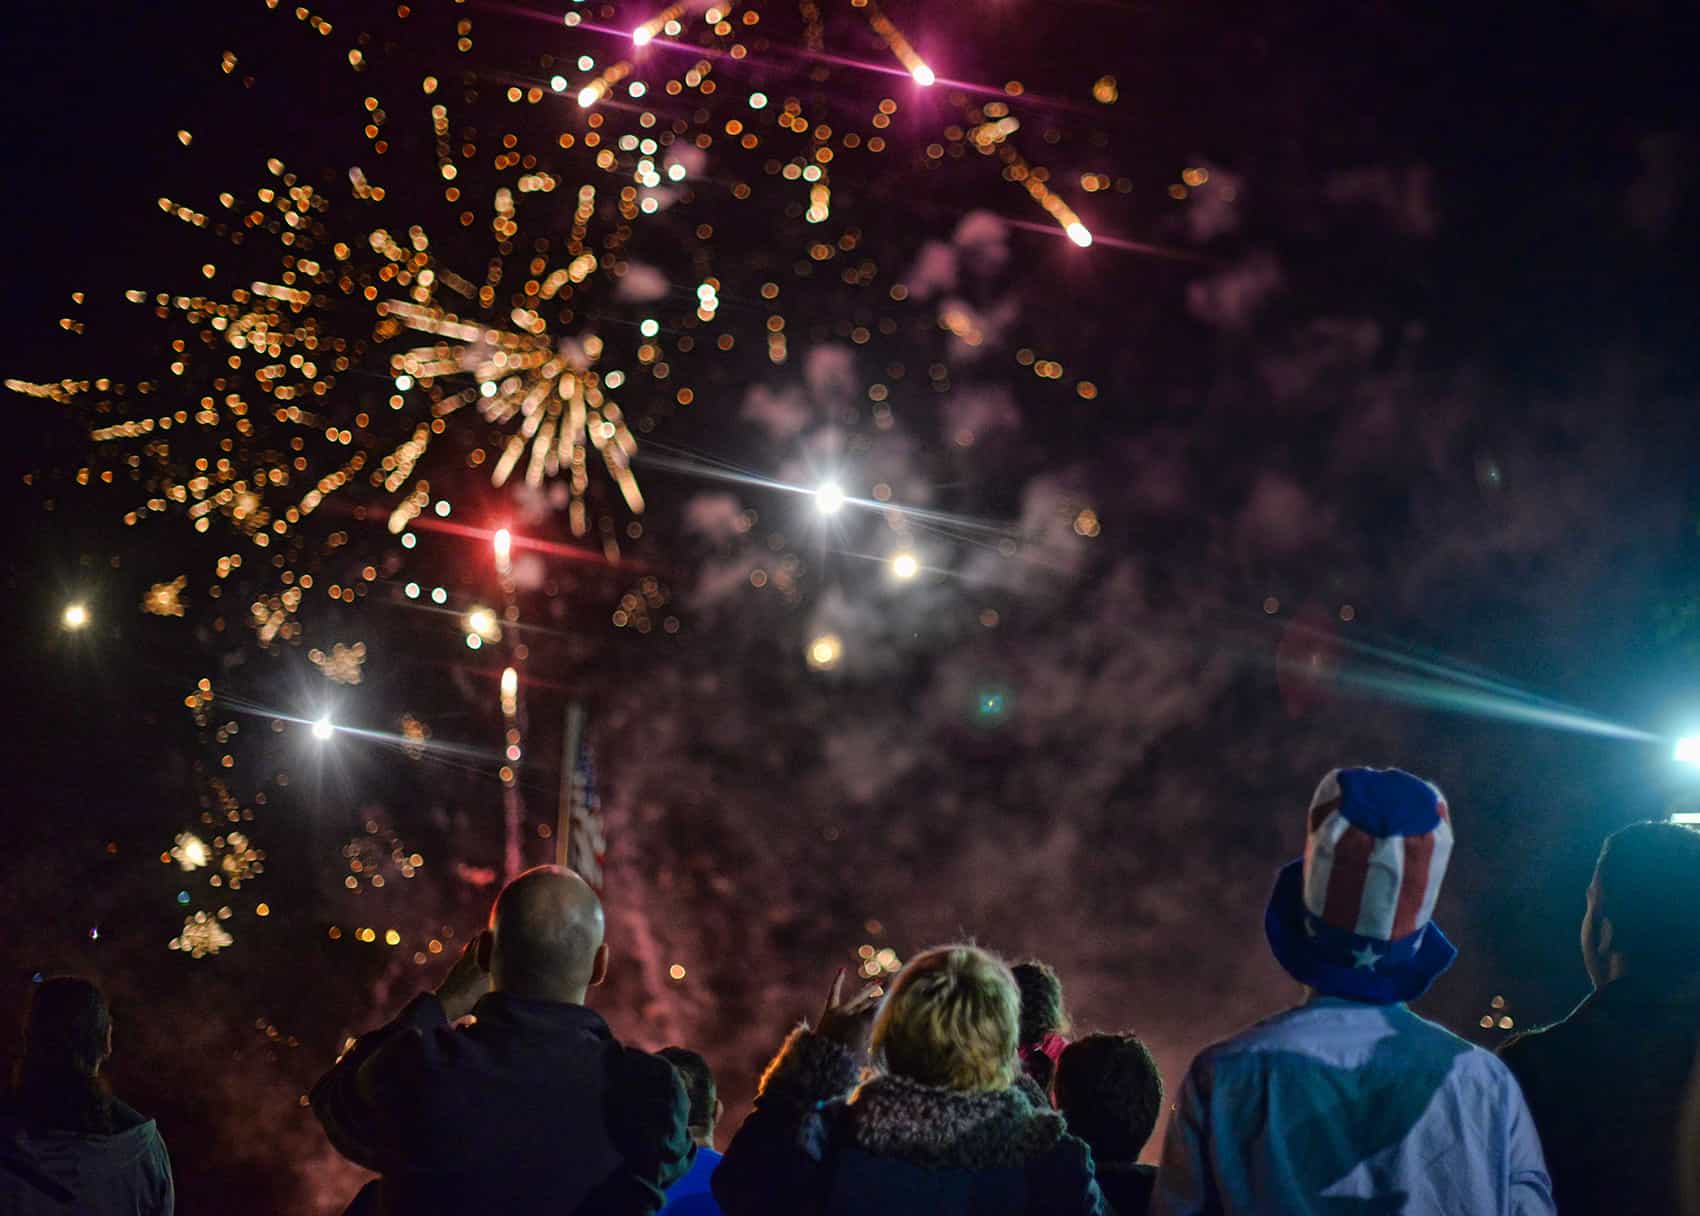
(1352, 917)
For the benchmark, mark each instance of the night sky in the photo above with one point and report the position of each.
(1365, 428)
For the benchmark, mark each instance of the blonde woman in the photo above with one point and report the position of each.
(938, 1122)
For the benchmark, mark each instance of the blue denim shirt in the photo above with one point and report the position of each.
(1340, 1107)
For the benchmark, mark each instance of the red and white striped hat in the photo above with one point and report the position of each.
(1376, 852)
(1352, 918)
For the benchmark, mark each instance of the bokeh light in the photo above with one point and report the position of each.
(482, 623)
(825, 651)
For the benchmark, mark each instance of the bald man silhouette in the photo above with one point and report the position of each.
(545, 938)
(528, 1105)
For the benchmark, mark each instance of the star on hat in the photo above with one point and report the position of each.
(1366, 958)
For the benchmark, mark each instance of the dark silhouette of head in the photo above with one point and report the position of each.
(1042, 1013)
(1109, 1090)
(1644, 904)
(66, 1040)
(545, 940)
(706, 1107)
(1041, 1000)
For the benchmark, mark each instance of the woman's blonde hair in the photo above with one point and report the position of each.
(951, 1020)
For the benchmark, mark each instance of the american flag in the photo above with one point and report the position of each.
(583, 843)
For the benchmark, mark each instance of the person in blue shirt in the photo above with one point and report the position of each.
(690, 1196)
(1350, 1102)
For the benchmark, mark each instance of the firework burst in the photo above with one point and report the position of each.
(203, 935)
(488, 288)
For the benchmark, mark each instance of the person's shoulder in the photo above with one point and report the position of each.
(1535, 1047)
(1261, 1034)
(639, 1066)
(1069, 1152)
(125, 1116)
(1469, 1064)
(1063, 1170)
(635, 1072)
(1431, 1036)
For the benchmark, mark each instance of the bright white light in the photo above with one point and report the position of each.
(585, 63)
(905, 566)
(829, 498)
(923, 75)
(439, 596)
(642, 35)
(510, 683)
(1688, 750)
(403, 382)
(757, 100)
(649, 327)
(411, 591)
(503, 543)
(558, 83)
(1690, 818)
(587, 96)
(76, 616)
(323, 729)
(408, 540)
(676, 172)
(1079, 234)
(442, 508)
(488, 388)
(473, 641)
(637, 88)
(481, 623)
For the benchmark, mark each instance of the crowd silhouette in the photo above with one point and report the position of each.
(959, 1090)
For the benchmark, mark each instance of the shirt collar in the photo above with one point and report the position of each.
(499, 1007)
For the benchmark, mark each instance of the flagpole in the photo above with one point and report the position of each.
(572, 737)
(513, 710)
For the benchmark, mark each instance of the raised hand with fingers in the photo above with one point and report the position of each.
(847, 1022)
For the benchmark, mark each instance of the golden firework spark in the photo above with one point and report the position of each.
(238, 861)
(190, 852)
(417, 734)
(202, 935)
(342, 665)
(165, 599)
(523, 376)
(378, 857)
